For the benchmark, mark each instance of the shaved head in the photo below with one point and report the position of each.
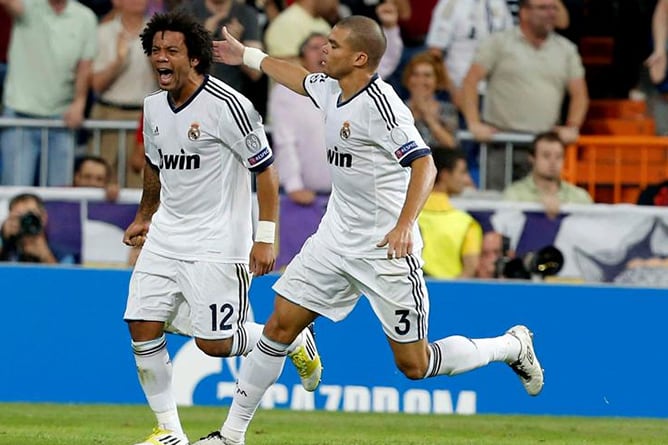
(365, 36)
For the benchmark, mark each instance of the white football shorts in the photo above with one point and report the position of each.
(202, 299)
(331, 284)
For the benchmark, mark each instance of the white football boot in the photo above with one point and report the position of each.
(527, 366)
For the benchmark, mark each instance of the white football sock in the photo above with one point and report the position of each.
(155, 375)
(456, 354)
(245, 338)
(258, 372)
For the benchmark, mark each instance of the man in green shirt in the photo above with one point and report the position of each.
(50, 54)
(544, 184)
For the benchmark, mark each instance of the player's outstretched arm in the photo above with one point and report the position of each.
(232, 52)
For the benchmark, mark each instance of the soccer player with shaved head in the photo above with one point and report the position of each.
(368, 241)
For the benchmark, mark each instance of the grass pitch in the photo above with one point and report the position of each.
(43, 424)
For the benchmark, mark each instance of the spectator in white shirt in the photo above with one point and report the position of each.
(457, 28)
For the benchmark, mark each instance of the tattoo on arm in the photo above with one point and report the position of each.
(150, 198)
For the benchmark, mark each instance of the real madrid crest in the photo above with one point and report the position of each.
(345, 130)
(252, 143)
(193, 132)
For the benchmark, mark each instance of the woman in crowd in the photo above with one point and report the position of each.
(426, 80)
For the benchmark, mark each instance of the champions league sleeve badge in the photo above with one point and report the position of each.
(253, 143)
(193, 132)
(398, 136)
(345, 130)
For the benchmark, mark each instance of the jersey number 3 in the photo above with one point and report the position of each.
(404, 324)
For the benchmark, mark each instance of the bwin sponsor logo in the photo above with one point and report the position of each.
(339, 159)
(181, 161)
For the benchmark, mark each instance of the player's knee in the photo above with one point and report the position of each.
(215, 348)
(412, 370)
(143, 331)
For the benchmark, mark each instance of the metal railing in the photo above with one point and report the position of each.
(95, 126)
(509, 140)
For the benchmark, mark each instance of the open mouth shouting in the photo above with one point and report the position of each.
(165, 76)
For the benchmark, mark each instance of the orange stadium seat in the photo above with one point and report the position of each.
(617, 109)
(620, 126)
(619, 117)
(614, 169)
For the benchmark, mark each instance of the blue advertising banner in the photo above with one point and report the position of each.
(601, 347)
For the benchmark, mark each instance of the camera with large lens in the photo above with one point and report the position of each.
(543, 262)
(30, 224)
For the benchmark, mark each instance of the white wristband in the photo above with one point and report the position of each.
(266, 232)
(253, 57)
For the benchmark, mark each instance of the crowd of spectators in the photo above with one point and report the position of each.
(486, 66)
(494, 65)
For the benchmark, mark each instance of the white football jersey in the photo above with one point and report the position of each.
(205, 150)
(371, 139)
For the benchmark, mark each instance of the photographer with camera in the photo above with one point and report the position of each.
(23, 237)
(499, 260)
(495, 247)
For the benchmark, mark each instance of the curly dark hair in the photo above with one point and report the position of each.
(197, 38)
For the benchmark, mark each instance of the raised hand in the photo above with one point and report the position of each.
(229, 51)
(388, 14)
(122, 47)
(656, 63)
